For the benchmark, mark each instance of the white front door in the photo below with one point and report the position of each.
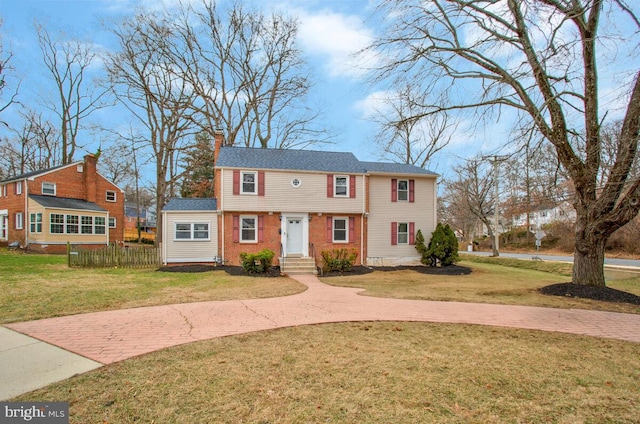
(294, 236)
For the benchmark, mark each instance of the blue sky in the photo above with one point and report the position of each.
(330, 32)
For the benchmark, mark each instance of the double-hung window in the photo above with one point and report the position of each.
(19, 221)
(403, 233)
(72, 224)
(99, 226)
(35, 223)
(340, 230)
(341, 186)
(49, 189)
(56, 223)
(249, 184)
(18, 187)
(403, 190)
(248, 229)
(86, 223)
(111, 196)
(192, 231)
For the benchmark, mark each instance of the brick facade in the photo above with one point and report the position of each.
(79, 180)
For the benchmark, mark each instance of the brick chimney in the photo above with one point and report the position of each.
(90, 178)
(218, 137)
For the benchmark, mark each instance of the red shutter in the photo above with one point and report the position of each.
(329, 185)
(394, 190)
(412, 233)
(352, 186)
(260, 183)
(329, 229)
(412, 184)
(352, 229)
(394, 233)
(260, 228)
(236, 182)
(236, 228)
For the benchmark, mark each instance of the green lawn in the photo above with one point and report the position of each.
(42, 286)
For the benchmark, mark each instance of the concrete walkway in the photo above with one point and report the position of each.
(108, 337)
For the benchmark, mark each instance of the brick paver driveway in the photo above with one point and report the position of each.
(113, 336)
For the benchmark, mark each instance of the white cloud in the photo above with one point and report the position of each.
(335, 38)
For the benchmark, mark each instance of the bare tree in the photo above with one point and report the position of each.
(5, 62)
(249, 75)
(538, 58)
(32, 147)
(153, 89)
(68, 63)
(472, 191)
(405, 136)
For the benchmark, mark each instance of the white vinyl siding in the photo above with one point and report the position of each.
(281, 195)
(190, 250)
(382, 212)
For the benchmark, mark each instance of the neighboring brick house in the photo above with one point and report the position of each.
(301, 202)
(43, 210)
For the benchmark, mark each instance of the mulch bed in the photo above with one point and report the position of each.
(604, 294)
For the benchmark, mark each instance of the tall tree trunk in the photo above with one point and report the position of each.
(588, 260)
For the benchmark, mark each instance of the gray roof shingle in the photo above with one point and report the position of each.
(190, 204)
(66, 203)
(36, 173)
(295, 160)
(395, 168)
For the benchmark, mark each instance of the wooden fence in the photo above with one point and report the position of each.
(131, 235)
(113, 256)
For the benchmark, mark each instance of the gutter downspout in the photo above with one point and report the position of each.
(221, 208)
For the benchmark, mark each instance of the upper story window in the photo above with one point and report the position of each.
(18, 187)
(49, 189)
(341, 186)
(403, 190)
(111, 196)
(4, 190)
(249, 182)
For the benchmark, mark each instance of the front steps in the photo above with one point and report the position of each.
(298, 266)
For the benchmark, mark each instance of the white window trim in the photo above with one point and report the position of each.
(52, 185)
(255, 220)
(398, 233)
(346, 229)
(19, 224)
(255, 182)
(192, 231)
(18, 187)
(33, 225)
(335, 185)
(404, 191)
(115, 196)
(113, 218)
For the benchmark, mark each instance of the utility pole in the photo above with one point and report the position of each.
(496, 175)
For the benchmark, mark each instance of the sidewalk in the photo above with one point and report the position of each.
(108, 337)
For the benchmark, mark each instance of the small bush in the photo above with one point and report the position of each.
(443, 247)
(257, 263)
(338, 259)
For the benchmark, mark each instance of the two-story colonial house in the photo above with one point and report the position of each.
(301, 202)
(43, 210)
